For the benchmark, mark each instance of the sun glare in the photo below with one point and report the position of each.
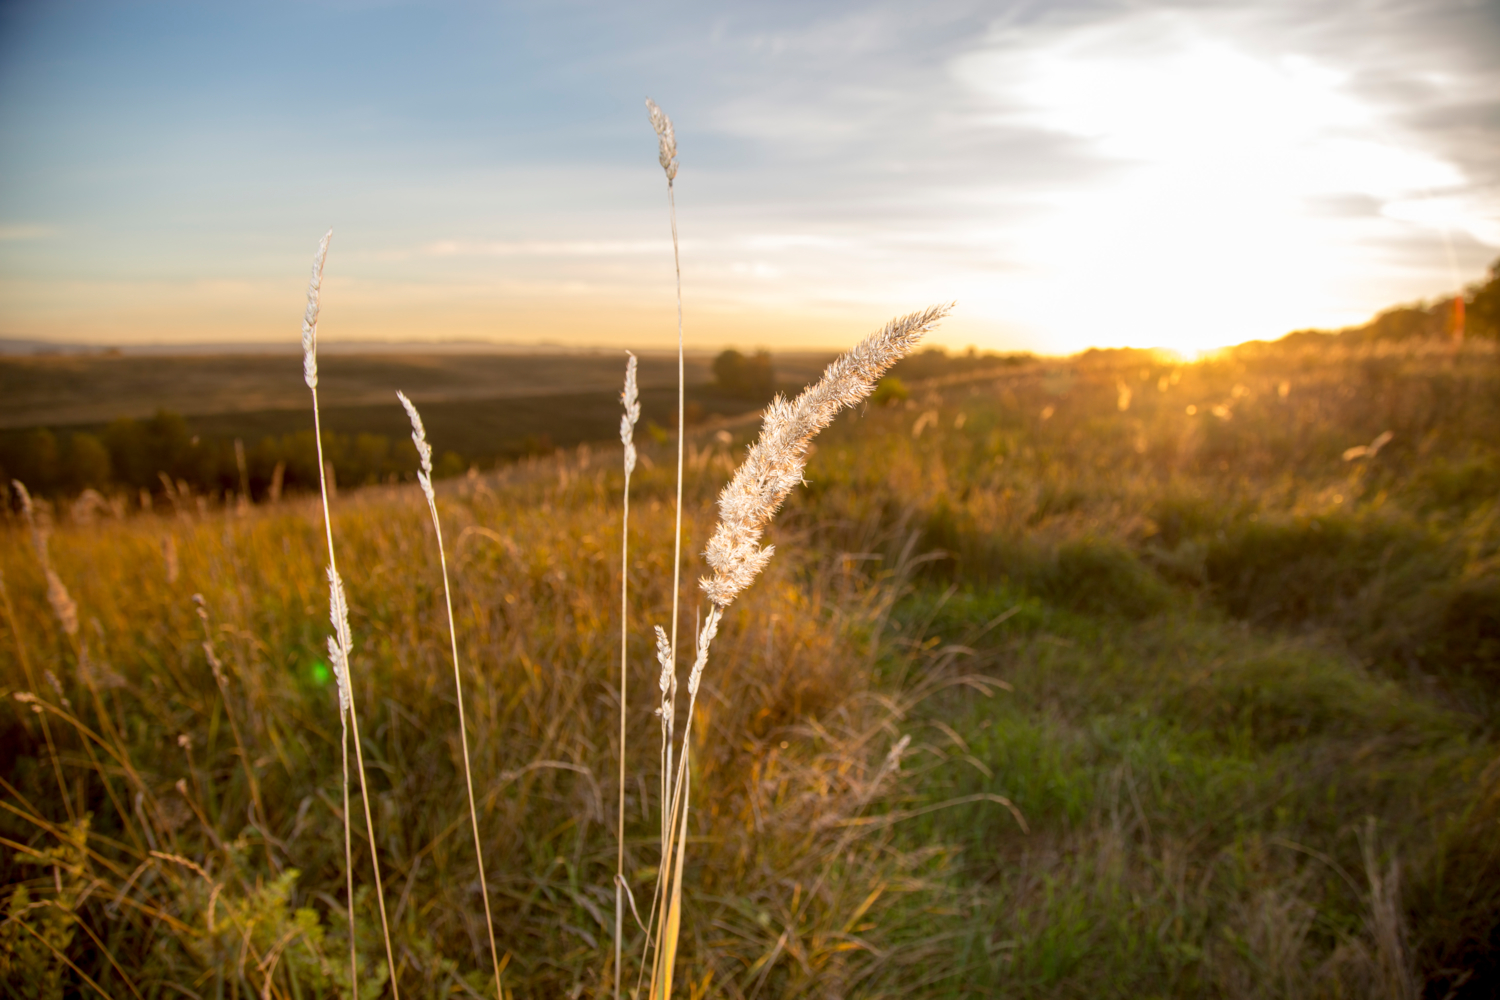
(1219, 178)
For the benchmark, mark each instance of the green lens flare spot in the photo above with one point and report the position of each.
(319, 673)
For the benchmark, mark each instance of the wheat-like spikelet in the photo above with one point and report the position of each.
(706, 635)
(424, 476)
(310, 315)
(666, 139)
(631, 399)
(341, 643)
(57, 593)
(668, 681)
(774, 465)
(424, 450)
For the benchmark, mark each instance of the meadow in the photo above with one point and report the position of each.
(1107, 676)
(217, 423)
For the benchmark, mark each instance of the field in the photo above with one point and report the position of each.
(117, 423)
(1112, 676)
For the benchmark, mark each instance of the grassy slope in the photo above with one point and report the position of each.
(75, 390)
(1248, 676)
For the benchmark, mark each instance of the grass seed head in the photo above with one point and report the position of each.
(419, 438)
(664, 657)
(62, 603)
(340, 671)
(775, 462)
(338, 610)
(310, 316)
(666, 139)
(631, 399)
(705, 639)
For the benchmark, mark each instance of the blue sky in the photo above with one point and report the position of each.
(1074, 174)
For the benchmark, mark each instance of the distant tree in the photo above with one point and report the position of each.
(126, 441)
(1483, 312)
(746, 377)
(86, 463)
(37, 462)
(1405, 323)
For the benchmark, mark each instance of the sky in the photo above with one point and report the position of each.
(1072, 173)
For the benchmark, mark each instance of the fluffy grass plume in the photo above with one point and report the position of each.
(772, 468)
(775, 462)
(424, 477)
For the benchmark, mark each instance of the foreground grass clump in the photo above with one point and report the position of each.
(1252, 686)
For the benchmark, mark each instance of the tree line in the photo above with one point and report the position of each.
(161, 454)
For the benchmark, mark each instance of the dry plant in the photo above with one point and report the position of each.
(424, 477)
(771, 470)
(630, 399)
(340, 644)
(666, 141)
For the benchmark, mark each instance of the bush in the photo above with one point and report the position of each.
(1469, 640)
(1301, 569)
(889, 391)
(1293, 696)
(745, 377)
(1099, 576)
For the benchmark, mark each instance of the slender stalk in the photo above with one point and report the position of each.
(681, 422)
(629, 397)
(348, 851)
(234, 726)
(424, 450)
(666, 138)
(339, 614)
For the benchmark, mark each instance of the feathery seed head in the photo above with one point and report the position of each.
(630, 397)
(310, 316)
(773, 467)
(705, 639)
(62, 603)
(664, 657)
(419, 438)
(25, 496)
(666, 140)
(340, 672)
(338, 610)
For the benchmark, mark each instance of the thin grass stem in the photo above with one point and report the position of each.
(630, 399)
(424, 451)
(341, 626)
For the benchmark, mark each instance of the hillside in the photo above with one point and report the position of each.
(1199, 665)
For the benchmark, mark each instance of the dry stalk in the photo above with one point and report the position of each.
(771, 470)
(338, 612)
(630, 399)
(424, 476)
(666, 155)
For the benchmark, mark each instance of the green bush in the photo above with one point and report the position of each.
(1292, 696)
(889, 391)
(1102, 576)
(1332, 568)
